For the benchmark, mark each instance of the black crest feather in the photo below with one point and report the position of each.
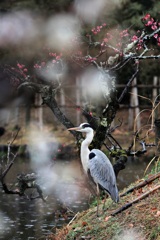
(86, 125)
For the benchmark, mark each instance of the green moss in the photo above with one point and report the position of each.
(155, 233)
(114, 229)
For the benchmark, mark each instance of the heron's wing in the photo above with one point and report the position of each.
(102, 172)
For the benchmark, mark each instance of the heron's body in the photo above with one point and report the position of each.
(96, 163)
(102, 172)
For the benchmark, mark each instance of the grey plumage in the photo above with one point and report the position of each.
(101, 170)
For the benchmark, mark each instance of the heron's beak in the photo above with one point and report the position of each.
(74, 129)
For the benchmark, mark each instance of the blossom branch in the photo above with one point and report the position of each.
(146, 57)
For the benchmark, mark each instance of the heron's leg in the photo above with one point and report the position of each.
(98, 193)
(104, 204)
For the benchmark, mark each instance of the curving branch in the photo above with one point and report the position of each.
(48, 98)
(128, 84)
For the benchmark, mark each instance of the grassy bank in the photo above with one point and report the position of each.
(141, 221)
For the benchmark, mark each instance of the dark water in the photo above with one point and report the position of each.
(134, 170)
(23, 219)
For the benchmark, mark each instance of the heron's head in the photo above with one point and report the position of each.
(83, 127)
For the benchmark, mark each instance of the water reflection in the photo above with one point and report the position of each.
(134, 170)
(24, 219)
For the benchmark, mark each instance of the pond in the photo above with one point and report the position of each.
(21, 218)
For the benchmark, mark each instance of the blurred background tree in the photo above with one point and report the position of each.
(118, 14)
(128, 15)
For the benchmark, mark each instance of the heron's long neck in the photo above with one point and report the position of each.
(85, 150)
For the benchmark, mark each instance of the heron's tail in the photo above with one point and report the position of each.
(114, 194)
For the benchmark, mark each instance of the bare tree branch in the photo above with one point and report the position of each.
(146, 57)
(142, 184)
(127, 205)
(128, 85)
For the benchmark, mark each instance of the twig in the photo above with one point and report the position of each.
(2, 176)
(142, 184)
(109, 136)
(117, 126)
(136, 153)
(146, 57)
(73, 219)
(128, 85)
(124, 207)
(9, 145)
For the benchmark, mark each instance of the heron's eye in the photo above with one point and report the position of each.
(85, 125)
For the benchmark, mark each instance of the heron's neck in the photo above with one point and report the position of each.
(85, 150)
(89, 137)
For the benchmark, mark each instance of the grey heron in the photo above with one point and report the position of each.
(96, 164)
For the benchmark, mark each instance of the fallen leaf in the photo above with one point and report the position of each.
(66, 230)
(157, 214)
(84, 224)
(77, 229)
(88, 228)
(130, 225)
(153, 209)
(141, 205)
(107, 218)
